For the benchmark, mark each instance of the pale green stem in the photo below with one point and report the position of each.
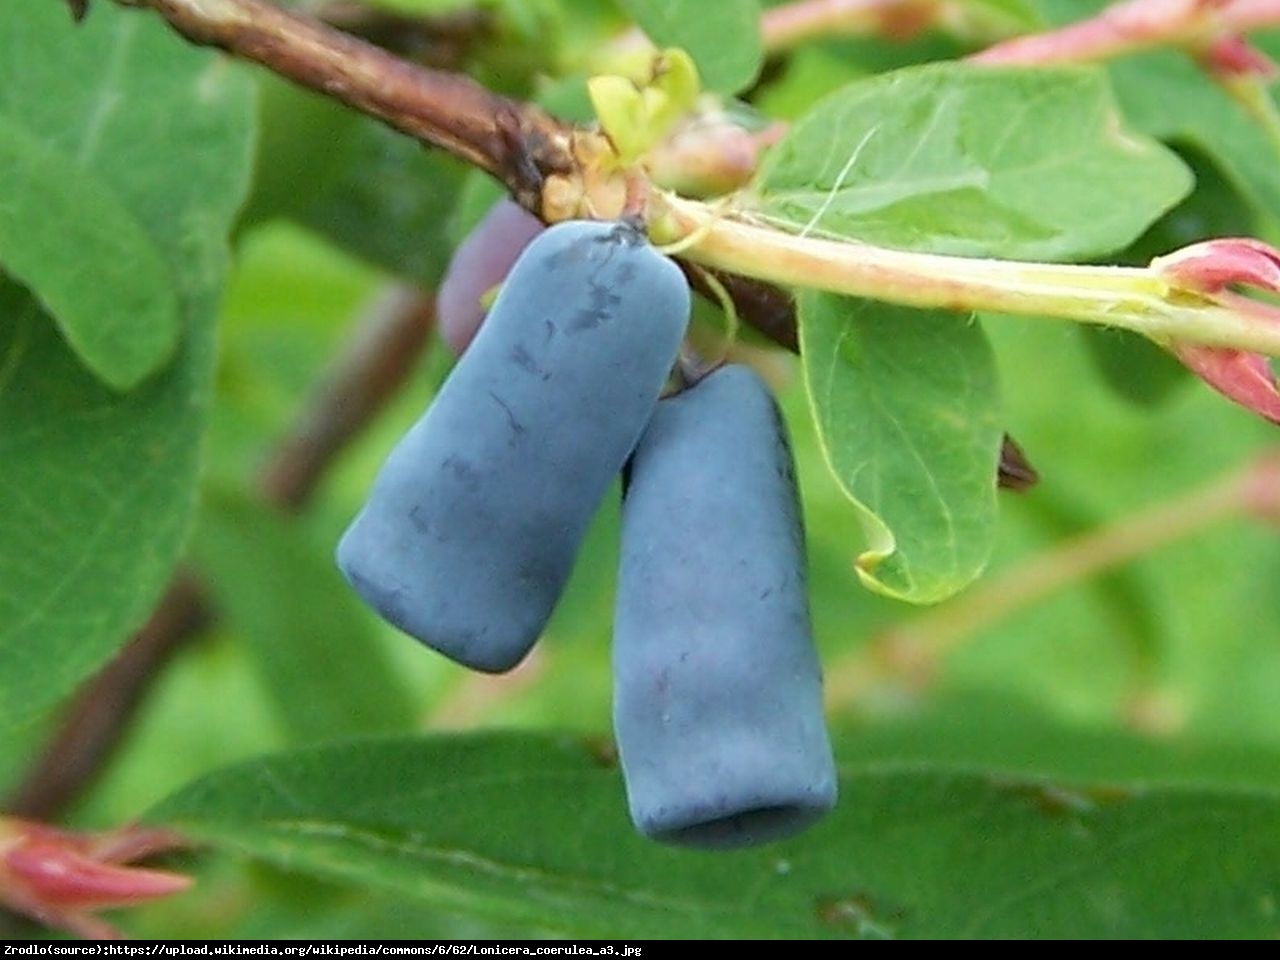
(1135, 298)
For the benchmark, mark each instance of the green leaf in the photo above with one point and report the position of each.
(806, 76)
(723, 37)
(162, 124)
(992, 19)
(300, 153)
(321, 661)
(98, 490)
(373, 192)
(532, 829)
(1058, 13)
(908, 414)
(991, 731)
(1168, 96)
(98, 487)
(1030, 163)
(67, 237)
(391, 204)
(1131, 365)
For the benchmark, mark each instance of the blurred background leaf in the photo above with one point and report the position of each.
(724, 39)
(317, 652)
(99, 486)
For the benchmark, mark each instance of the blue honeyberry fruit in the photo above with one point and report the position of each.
(717, 685)
(473, 524)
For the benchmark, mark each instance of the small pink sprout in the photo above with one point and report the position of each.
(1211, 268)
(1231, 57)
(1212, 30)
(1121, 28)
(60, 878)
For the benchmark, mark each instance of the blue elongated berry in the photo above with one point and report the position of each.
(473, 524)
(717, 686)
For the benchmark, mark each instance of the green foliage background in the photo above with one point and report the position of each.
(1103, 762)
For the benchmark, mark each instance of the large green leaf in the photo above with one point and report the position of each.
(532, 829)
(955, 158)
(908, 413)
(372, 191)
(69, 239)
(323, 665)
(722, 37)
(98, 486)
(391, 203)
